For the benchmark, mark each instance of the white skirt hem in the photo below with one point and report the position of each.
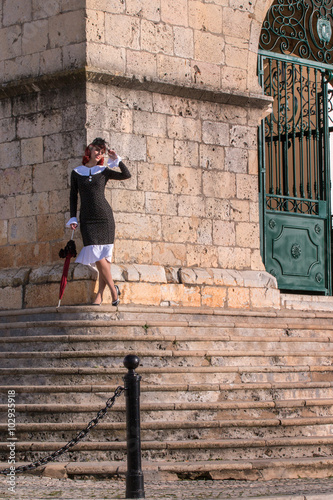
(91, 254)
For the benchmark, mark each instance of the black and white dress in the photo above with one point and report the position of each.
(96, 217)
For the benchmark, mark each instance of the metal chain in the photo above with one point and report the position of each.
(110, 402)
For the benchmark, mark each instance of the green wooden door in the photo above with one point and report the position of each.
(294, 161)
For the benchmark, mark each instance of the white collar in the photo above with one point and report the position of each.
(83, 170)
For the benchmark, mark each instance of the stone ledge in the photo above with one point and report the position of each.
(91, 74)
(142, 285)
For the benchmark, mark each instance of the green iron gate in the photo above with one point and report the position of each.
(294, 56)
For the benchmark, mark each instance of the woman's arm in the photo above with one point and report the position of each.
(73, 201)
(119, 176)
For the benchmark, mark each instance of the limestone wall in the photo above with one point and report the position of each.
(172, 86)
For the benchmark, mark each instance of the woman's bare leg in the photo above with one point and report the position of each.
(104, 270)
(101, 288)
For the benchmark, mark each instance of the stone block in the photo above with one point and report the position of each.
(74, 55)
(141, 64)
(172, 274)
(217, 184)
(14, 277)
(106, 57)
(159, 150)
(128, 201)
(156, 37)
(247, 235)
(224, 233)
(256, 260)
(22, 230)
(243, 137)
(131, 146)
(21, 67)
(50, 176)
(112, 6)
(215, 133)
(50, 227)
(226, 277)
(191, 206)
(150, 124)
(125, 30)
(212, 157)
(238, 298)
(201, 255)
(144, 8)
(81, 272)
(205, 17)
(204, 232)
(181, 295)
(151, 274)
(96, 26)
(141, 293)
(58, 200)
(234, 258)
(11, 298)
(3, 232)
(132, 251)
(183, 42)
(239, 210)
(236, 57)
(173, 69)
(32, 204)
(254, 212)
(10, 40)
(232, 18)
(117, 272)
(233, 79)
(247, 187)
(39, 124)
(186, 129)
(186, 153)
(168, 254)
(35, 36)
(180, 229)
(67, 28)
(42, 9)
(32, 254)
(208, 47)
(138, 227)
(161, 203)
(212, 296)
(7, 257)
(46, 294)
(118, 97)
(7, 208)
(236, 160)
(176, 106)
(175, 12)
(32, 151)
(265, 298)
(153, 177)
(218, 209)
(16, 12)
(185, 180)
(187, 276)
(253, 162)
(7, 129)
(206, 74)
(6, 108)
(10, 154)
(16, 181)
(131, 273)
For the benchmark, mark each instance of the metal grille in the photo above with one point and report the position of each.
(294, 134)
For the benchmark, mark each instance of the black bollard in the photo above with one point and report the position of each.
(134, 475)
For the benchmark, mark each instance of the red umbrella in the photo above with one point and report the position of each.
(66, 253)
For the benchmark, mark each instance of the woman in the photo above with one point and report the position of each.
(96, 217)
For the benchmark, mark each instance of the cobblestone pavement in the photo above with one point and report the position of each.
(43, 488)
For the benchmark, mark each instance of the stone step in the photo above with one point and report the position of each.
(186, 411)
(263, 469)
(170, 357)
(199, 449)
(178, 341)
(160, 375)
(177, 429)
(171, 392)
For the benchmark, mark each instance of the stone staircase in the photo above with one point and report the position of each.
(224, 394)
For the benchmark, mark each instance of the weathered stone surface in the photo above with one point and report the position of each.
(213, 296)
(11, 298)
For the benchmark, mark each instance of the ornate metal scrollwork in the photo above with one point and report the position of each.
(299, 27)
(272, 223)
(319, 277)
(317, 229)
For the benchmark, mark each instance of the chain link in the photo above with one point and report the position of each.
(101, 414)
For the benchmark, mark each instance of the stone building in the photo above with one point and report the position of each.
(173, 87)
